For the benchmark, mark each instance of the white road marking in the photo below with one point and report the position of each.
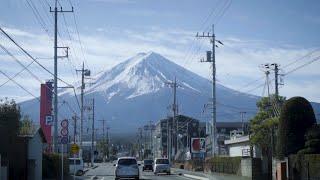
(195, 177)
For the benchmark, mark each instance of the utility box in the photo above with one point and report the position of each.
(209, 54)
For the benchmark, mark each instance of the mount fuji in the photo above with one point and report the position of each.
(136, 91)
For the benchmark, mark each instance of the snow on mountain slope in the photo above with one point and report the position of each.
(135, 91)
(144, 73)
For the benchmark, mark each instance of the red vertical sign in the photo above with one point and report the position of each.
(45, 110)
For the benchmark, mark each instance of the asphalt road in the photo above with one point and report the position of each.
(105, 171)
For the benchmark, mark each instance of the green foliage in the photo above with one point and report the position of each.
(296, 118)
(9, 124)
(229, 165)
(51, 166)
(26, 126)
(262, 124)
(103, 147)
(302, 166)
(312, 144)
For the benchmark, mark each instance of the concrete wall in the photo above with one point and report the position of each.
(236, 149)
(35, 153)
(246, 167)
(251, 167)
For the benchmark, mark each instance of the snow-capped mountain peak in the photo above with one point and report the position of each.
(142, 74)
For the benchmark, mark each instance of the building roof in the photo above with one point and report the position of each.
(230, 124)
(236, 140)
(30, 136)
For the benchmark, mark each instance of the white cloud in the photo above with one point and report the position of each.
(237, 61)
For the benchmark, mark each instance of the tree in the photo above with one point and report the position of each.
(296, 118)
(103, 147)
(263, 124)
(9, 125)
(26, 126)
(312, 144)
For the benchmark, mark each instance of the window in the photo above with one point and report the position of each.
(162, 161)
(127, 162)
(72, 162)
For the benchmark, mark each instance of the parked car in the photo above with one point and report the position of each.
(127, 167)
(147, 165)
(76, 166)
(161, 165)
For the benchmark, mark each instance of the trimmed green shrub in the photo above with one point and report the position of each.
(51, 166)
(312, 144)
(296, 118)
(228, 165)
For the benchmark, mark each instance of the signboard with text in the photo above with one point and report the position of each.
(198, 145)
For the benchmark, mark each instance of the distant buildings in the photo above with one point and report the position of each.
(191, 128)
(187, 128)
(239, 145)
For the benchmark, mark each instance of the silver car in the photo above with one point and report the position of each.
(161, 165)
(127, 167)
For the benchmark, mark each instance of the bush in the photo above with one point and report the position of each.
(312, 144)
(51, 166)
(296, 118)
(228, 165)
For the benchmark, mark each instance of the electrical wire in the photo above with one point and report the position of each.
(19, 85)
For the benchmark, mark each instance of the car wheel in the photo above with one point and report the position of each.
(79, 173)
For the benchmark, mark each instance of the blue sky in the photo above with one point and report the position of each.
(254, 32)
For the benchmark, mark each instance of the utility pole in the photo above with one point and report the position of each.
(276, 74)
(92, 136)
(103, 128)
(175, 124)
(84, 72)
(242, 114)
(74, 128)
(211, 59)
(55, 81)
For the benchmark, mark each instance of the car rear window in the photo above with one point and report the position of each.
(148, 161)
(127, 162)
(162, 161)
(72, 162)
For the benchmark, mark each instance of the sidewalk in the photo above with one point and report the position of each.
(207, 176)
(87, 168)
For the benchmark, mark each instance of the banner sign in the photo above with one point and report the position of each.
(198, 145)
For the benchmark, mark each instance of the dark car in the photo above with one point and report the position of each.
(147, 165)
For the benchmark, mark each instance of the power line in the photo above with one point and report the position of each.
(19, 85)
(36, 61)
(6, 51)
(303, 65)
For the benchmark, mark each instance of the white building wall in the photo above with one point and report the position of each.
(35, 152)
(236, 150)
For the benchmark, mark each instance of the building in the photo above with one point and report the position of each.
(35, 144)
(223, 133)
(239, 145)
(187, 128)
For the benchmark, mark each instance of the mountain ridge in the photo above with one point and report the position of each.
(135, 91)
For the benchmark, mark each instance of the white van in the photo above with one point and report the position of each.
(76, 166)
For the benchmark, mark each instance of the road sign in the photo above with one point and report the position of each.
(49, 120)
(74, 148)
(64, 123)
(198, 145)
(64, 132)
(64, 140)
